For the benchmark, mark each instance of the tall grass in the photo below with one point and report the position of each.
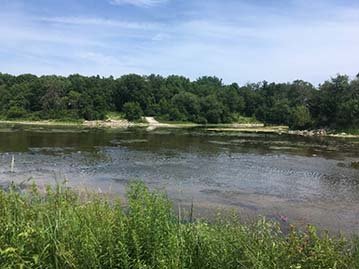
(63, 229)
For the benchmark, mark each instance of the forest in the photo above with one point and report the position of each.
(334, 104)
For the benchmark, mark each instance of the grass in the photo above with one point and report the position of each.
(115, 116)
(177, 122)
(238, 120)
(161, 120)
(348, 131)
(64, 229)
(246, 120)
(29, 121)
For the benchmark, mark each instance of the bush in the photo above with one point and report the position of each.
(16, 112)
(132, 111)
(200, 120)
(176, 115)
(301, 118)
(62, 229)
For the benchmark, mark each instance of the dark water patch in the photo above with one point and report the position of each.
(129, 141)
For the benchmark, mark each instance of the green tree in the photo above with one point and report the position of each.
(187, 104)
(279, 113)
(16, 112)
(334, 104)
(132, 88)
(212, 110)
(348, 114)
(229, 95)
(132, 111)
(300, 117)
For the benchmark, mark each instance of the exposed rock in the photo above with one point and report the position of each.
(319, 132)
(108, 123)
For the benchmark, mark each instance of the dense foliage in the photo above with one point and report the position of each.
(334, 104)
(62, 229)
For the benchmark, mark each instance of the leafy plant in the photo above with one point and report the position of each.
(60, 228)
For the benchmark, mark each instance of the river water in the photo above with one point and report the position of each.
(302, 180)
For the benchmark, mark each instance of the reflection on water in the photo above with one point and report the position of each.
(308, 179)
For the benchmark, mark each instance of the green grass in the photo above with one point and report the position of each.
(64, 229)
(64, 121)
(246, 120)
(115, 116)
(238, 119)
(43, 123)
(348, 131)
(175, 122)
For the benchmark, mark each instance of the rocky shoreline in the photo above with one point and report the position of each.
(321, 132)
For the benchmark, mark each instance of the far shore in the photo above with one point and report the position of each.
(152, 124)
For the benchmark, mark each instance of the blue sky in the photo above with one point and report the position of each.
(237, 40)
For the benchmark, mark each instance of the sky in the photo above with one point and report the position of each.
(236, 40)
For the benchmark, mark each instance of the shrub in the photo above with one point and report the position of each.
(132, 111)
(63, 229)
(301, 118)
(16, 112)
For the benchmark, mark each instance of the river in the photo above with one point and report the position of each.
(293, 179)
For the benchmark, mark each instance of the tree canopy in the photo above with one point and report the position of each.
(334, 104)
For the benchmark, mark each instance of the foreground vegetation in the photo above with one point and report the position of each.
(62, 229)
(299, 104)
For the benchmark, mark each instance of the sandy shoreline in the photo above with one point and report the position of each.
(94, 124)
(151, 124)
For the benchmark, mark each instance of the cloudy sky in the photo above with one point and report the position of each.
(237, 40)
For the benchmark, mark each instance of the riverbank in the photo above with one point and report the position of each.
(111, 123)
(251, 129)
(41, 122)
(151, 123)
(65, 229)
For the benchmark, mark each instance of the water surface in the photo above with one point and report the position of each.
(308, 180)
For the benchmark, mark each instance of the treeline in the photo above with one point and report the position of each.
(334, 104)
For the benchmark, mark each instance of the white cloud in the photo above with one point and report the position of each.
(138, 3)
(95, 21)
(161, 37)
(250, 46)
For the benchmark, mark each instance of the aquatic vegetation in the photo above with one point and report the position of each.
(355, 165)
(60, 228)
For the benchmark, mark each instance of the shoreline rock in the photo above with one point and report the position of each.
(319, 132)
